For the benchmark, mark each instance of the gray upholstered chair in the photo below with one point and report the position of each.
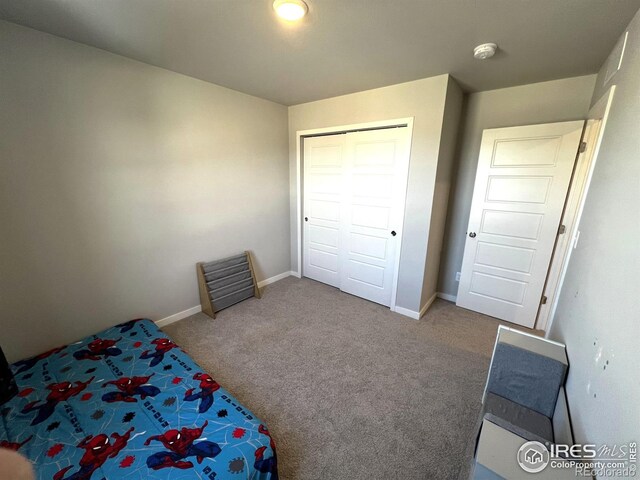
(525, 378)
(523, 401)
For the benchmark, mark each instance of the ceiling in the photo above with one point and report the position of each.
(342, 46)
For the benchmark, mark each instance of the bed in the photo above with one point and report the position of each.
(128, 403)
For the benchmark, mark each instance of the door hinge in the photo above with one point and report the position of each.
(583, 147)
(543, 300)
(562, 230)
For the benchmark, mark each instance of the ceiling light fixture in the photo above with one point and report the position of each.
(291, 10)
(484, 51)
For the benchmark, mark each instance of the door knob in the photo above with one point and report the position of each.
(472, 234)
(393, 233)
(306, 219)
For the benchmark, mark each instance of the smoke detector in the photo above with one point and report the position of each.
(484, 51)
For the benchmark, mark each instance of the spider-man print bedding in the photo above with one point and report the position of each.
(128, 403)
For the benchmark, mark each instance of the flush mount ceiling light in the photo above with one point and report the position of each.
(290, 10)
(484, 51)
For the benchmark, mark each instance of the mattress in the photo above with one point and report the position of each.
(129, 403)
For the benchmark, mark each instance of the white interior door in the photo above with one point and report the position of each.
(354, 195)
(521, 185)
(324, 176)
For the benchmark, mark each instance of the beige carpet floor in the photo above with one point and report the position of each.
(349, 389)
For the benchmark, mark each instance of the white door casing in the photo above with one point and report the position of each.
(565, 240)
(519, 195)
(354, 196)
(583, 172)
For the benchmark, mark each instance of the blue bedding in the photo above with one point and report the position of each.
(128, 403)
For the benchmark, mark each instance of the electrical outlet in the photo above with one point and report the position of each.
(457, 276)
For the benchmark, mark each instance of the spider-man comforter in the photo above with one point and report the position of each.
(128, 403)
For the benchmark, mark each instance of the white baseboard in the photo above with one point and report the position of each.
(178, 316)
(193, 310)
(407, 313)
(275, 278)
(447, 297)
(413, 314)
(428, 304)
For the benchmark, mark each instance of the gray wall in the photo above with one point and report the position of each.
(117, 177)
(598, 314)
(442, 190)
(422, 99)
(555, 101)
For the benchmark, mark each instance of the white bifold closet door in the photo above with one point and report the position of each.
(354, 194)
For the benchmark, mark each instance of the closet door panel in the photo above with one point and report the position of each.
(373, 206)
(324, 167)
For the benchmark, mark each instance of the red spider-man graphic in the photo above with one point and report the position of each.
(60, 392)
(15, 446)
(207, 386)
(97, 450)
(98, 348)
(128, 387)
(163, 345)
(266, 465)
(180, 445)
(24, 365)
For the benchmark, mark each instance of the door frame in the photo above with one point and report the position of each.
(574, 205)
(377, 125)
